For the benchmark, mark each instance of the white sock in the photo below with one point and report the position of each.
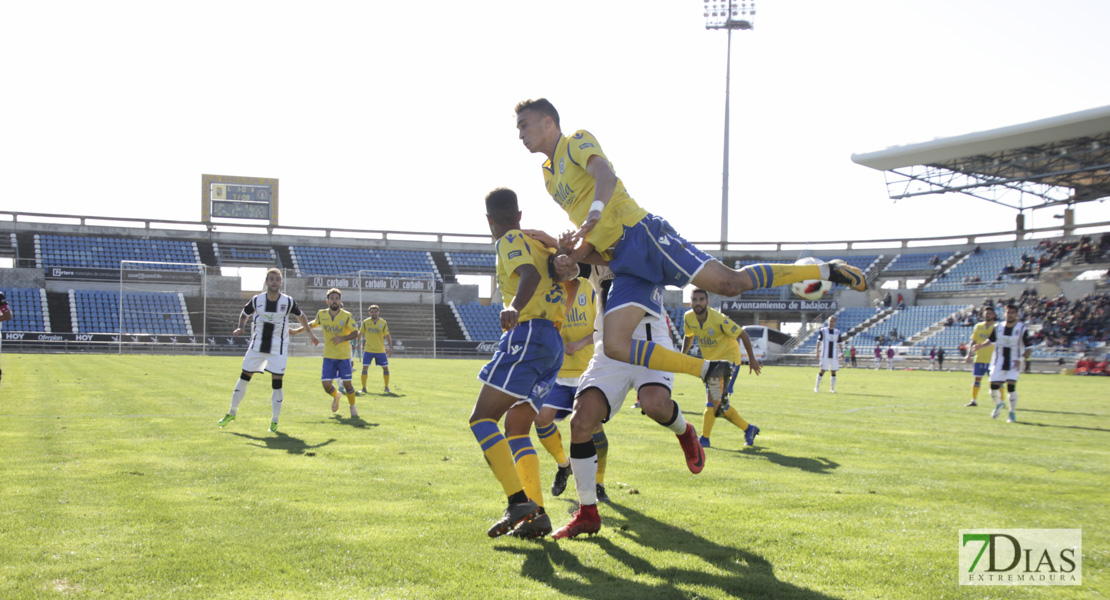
(237, 395)
(996, 395)
(817, 385)
(679, 425)
(832, 383)
(1013, 401)
(824, 267)
(585, 478)
(275, 402)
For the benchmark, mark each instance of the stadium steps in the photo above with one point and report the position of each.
(9, 248)
(58, 305)
(407, 321)
(223, 314)
(448, 323)
(25, 251)
(194, 306)
(207, 255)
(881, 264)
(446, 271)
(285, 259)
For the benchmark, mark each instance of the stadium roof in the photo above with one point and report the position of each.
(1060, 160)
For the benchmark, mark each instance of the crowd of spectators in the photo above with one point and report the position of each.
(1057, 321)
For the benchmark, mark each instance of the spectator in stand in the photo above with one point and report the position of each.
(887, 300)
(940, 358)
(901, 302)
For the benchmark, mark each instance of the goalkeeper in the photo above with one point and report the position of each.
(717, 337)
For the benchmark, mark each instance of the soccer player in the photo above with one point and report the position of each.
(1010, 343)
(601, 393)
(643, 250)
(528, 357)
(979, 335)
(269, 347)
(377, 346)
(339, 329)
(717, 337)
(6, 314)
(828, 354)
(578, 342)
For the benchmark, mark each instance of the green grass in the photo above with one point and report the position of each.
(116, 483)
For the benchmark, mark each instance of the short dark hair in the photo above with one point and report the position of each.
(501, 205)
(699, 291)
(540, 105)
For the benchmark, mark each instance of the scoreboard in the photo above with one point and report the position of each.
(233, 197)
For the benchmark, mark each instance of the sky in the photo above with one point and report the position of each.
(399, 115)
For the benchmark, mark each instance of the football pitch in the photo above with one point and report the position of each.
(116, 483)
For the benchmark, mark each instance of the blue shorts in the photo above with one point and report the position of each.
(981, 369)
(653, 252)
(527, 360)
(336, 368)
(369, 358)
(561, 398)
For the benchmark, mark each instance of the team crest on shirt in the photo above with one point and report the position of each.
(581, 300)
(562, 165)
(578, 135)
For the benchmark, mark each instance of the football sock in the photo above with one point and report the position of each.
(765, 275)
(527, 466)
(677, 424)
(364, 381)
(996, 395)
(975, 391)
(601, 445)
(734, 417)
(496, 450)
(832, 383)
(275, 402)
(817, 385)
(1013, 401)
(583, 462)
(708, 418)
(552, 440)
(386, 378)
(351, 397)
(334, 393)
(237, 395)
(657, 358)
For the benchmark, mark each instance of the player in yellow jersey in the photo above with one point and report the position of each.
(717, 337)
(377, 346)
(339, 327)
(982, 357)
(578, 341)
(643, 250)
(518, 377)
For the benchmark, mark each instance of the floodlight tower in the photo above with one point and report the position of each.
(728, 15)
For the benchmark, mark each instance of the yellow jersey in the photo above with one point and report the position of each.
(573, 189)
(581, 312)
(717, 337)
(549, 300)
(341, 323)
(979, 335)
(373, 335)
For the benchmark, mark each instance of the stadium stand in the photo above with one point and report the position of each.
(928, 261)
(479, 322)
(240, 255)
(29, 307)
(107, 252)
(98, 311)
(847, 320)
(472, 262)
(989, 269)
(312, 260)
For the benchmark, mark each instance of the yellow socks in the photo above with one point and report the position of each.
(765, 275)
(496, 449)
(527, 466)
(655, 357)
(601, 446)
(552, 440)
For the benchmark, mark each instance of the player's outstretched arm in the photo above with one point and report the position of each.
(753, 363)
(308, 328)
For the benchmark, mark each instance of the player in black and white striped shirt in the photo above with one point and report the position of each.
(1011, 343)
(269, 348)
(828, 353)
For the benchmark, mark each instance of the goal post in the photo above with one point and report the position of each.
(162, 307)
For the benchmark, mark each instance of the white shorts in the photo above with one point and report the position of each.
(1000, 376)
(256, 362)
(830, 364)
(616, 378)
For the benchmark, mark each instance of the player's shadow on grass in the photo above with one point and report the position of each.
(1032, 424)
(281, 441)
(820, 465)
(1059, 412)
(355, 422)
(735, 572)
